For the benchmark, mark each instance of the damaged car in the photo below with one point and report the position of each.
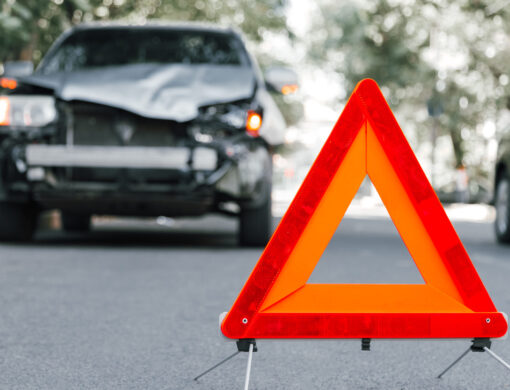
(165, 119)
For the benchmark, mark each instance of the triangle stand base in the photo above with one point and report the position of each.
(478, 345)
(243, 345)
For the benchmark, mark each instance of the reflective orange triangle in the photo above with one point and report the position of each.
(277, 302)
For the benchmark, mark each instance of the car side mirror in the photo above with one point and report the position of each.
(17, 69)
(282, 80)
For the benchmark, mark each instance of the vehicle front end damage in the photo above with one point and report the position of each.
(156, 120)
(142, 180)
(85, 158)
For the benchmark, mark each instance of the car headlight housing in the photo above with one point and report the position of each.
(27, 111)
(227, 118)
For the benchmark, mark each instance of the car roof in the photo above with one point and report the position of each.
(156, 24)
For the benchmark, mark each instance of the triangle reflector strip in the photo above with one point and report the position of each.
(277, 302)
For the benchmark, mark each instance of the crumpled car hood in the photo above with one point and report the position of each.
(173, 92)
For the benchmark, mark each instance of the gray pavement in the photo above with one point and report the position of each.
(134, 305)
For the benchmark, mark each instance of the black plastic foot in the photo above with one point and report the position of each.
(243, 345)
(365, 344)
(480, 344)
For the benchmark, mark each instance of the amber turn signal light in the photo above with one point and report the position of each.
(288, 89)
(253, 123)
(8, 83)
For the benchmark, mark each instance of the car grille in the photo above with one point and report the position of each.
(99, 125)
(93, 125)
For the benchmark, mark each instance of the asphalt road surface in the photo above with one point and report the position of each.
(135, 305)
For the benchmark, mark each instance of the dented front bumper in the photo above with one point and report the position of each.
(99, 178)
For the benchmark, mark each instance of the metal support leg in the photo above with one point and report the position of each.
(216, 365)
(491, 353)
(248, 368)
(454, 363)
(243, 345)
(479, 345)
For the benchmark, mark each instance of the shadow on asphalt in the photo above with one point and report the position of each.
(222, 233)
(200, 233)
(136, 238)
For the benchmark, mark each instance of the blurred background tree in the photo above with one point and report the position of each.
(29, 27)
(450, 54)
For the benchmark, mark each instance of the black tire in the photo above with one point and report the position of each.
(74, 222)
(502, 204)
(255, 222)
(17, 221)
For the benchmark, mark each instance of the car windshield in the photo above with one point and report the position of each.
(114, 47)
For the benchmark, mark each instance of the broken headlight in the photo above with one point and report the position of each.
(223, 119)
(26, 111)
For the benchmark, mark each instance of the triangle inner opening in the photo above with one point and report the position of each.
(366, 247)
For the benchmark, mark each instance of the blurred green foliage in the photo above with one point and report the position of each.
(29, 27)
(454, 52)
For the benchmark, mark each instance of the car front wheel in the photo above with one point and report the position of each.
(255, 222)
(502, 203)
(18, 221)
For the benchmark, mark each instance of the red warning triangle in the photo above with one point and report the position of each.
(277, 302)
